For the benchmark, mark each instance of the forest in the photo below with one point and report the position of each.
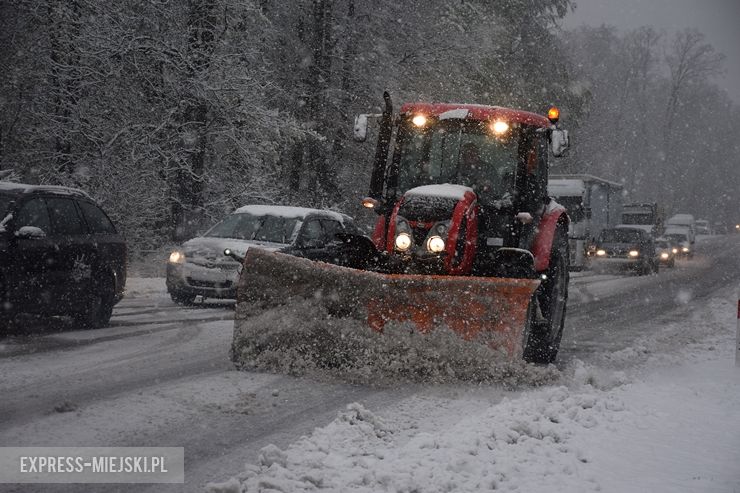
(173, 113)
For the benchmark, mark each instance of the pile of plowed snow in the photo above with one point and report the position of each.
(518, 445)
(303, 337)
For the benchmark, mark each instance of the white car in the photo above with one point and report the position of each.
(200, 267)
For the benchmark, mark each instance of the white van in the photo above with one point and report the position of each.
(683, 220)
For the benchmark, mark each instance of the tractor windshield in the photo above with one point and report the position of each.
(461, 152)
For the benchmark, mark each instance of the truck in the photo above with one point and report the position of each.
(466, 236)
(682, 224)
(647, 216)
(593, 204)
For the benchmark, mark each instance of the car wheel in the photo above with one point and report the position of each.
(545, 332)
(99, 309)
(183, 298)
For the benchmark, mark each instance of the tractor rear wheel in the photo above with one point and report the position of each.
(549, 302)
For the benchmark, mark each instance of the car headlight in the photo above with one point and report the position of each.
(600, 252)
(685, 249)
(675, 250)
(403, 241)
(435, 244)
(634, 253)
(664, 255)
(177, 257)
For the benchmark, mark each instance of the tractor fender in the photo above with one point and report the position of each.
(465, 221)
(542, 246)
(379, 234)
(391, 230)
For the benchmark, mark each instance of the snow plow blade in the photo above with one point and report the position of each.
(490, 311)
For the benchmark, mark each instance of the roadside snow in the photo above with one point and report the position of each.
(659, 417)
(141, 287)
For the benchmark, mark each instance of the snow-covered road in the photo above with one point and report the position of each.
(160, 376)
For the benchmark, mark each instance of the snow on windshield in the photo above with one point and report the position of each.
(242, 226)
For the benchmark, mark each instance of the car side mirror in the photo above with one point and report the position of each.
(30, 233)
(231, 253)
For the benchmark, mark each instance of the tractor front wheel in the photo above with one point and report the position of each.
(547, 317)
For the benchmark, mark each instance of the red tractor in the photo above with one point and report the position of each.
(466, 235)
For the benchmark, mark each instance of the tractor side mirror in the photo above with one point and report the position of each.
(360, 131)
(559, 141)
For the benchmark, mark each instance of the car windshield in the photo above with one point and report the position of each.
(677, 237)
(634, 218)
(464, 153)
(619, 236)
(244, 226)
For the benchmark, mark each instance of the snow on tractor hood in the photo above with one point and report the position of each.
(432, 202)
(445, 190)
(212, 248)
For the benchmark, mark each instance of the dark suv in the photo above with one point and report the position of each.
(59, 255)
(625, 247)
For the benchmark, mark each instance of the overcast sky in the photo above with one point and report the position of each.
(719, 20)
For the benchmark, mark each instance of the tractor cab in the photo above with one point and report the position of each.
(462, 182)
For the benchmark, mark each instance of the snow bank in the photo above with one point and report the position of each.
(659, 416)
(523, 444)
(304, 337)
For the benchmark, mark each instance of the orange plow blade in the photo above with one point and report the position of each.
(491, 311)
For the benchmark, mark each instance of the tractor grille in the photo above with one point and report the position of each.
(419, 234)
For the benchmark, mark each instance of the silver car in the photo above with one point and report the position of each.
(200, 267)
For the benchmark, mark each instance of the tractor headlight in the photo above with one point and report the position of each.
(634, 253)
(675, 250)
(600, 253)
(435, 244)
(664, 255)
(419, 120)
(177, 257)
(499, 127)
(403, 241)
(685, 249)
